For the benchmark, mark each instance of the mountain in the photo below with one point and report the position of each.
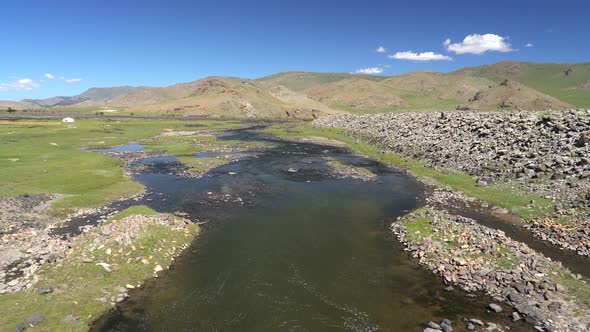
(564, 81)
(234, 97)
(504, 85)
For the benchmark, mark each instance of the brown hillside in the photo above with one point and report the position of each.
(439, 85)
(513, 95)
(233, 98)
(355, 92)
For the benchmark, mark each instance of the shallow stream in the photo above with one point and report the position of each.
(291, 251)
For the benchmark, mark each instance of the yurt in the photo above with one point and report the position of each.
(68, 120)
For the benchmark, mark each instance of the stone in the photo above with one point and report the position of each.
(516, 316)
(34, 319)
(44, 289)
(19, 327)
(70, 319)
(292, 170)
(476, 321)
(428, 329)
(491, 327)
(515, 298)
(495, 307)
(433, 325)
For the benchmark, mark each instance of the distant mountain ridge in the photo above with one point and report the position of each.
(503, 85)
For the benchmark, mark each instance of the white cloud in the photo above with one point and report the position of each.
(49, 76)
(380, 49)
(425, 56)
(479, 44)
(370, 70)
(70, 80)
(529, 45)
(20, 84)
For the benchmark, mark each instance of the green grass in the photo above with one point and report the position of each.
(517, 202)
(335, 164)
(419, 228)
(47, 157)
(76, 285)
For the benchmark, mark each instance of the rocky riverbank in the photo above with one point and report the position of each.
(543, 153)
(476, 258)
(94, 271)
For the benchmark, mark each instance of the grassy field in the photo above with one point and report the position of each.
(83, 289)
(517, 202)
(47, 157)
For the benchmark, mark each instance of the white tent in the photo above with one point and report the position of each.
(68, 120)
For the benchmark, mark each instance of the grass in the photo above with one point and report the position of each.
(335, 164)
(47, 157)
(78, 286)
(516, 201)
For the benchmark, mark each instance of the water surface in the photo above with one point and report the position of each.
(283, 251)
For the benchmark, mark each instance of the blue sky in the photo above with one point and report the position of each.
(90, 43)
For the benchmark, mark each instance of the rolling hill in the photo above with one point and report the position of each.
(504, 85)
(355, 93)
(233, 97)
(512, 95)
(567, 82)
(299, 81)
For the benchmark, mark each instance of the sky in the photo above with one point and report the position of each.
(63, 47)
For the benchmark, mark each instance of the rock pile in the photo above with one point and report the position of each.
(480, 259)
(554, 145)
(547, 153)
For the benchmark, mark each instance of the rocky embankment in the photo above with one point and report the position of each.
(476, 258)
(546, 153)
(94, 270)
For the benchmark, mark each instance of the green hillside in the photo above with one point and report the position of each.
(567, 82)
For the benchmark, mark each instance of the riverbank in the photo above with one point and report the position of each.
(35, 260)
(96, 270)
(478, 259)
(534, 165)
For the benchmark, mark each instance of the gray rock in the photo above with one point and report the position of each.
(20, 327)
(44, 289)
(70, 319)
(476, 321)
(35, 318)
(495, 307)
(516, 316)
(433, 325)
